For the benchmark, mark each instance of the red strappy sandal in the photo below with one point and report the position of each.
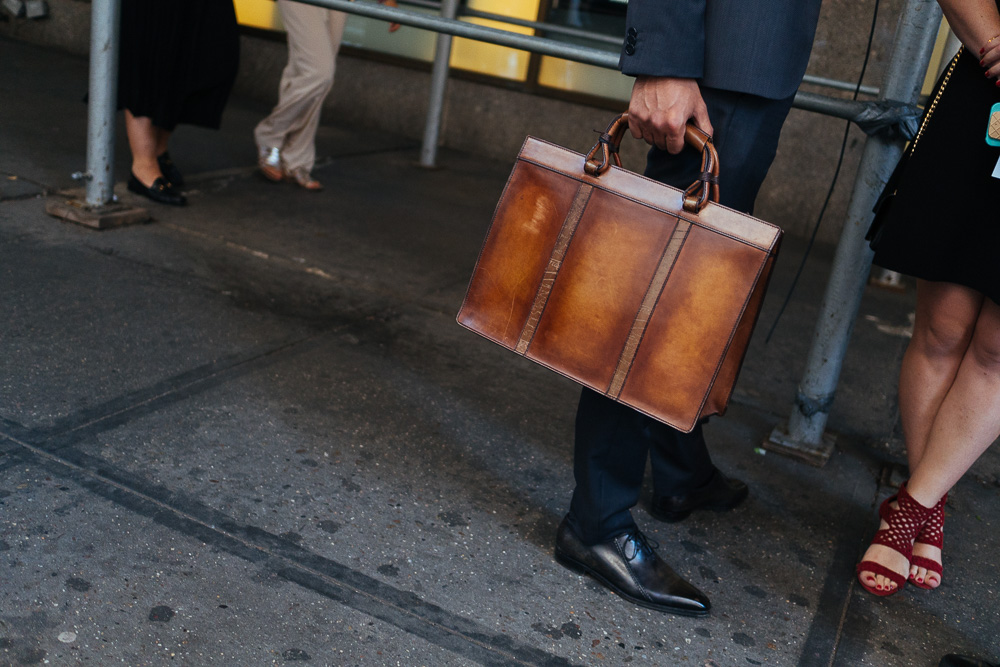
(932, 534)
(905, 521)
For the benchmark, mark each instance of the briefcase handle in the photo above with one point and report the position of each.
(698, 194)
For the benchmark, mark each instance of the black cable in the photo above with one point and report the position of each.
(833, 183)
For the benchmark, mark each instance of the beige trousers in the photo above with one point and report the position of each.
(314, 35)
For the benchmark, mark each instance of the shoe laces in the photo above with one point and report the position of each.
(640, 545)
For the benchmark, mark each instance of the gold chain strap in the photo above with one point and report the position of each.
(937, 98)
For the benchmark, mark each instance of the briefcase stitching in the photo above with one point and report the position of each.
(521, 156)
(620, 376)
(577, 209)
(678, 214)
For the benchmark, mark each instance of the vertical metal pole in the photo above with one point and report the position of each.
(804, 436)
(439, 80)
(104, 15)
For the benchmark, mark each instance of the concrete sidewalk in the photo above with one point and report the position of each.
(251, 433)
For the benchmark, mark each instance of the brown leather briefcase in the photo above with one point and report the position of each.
(640, 291)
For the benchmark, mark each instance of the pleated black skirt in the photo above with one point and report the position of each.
(178, 60)
(940, 220)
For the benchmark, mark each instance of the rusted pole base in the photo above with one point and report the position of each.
(96, 217)
(782, 443)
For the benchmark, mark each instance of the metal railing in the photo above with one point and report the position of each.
(915, 36)
(601, 38)
(447, 24)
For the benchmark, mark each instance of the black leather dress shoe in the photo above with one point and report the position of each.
(719, 493)
(170, 170)
(628, 565)
(952, 660)
(160, 191)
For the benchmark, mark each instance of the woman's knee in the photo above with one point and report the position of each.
(946, 318)
(985, 348)
(942, 335)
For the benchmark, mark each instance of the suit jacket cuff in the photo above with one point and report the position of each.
(664, 38)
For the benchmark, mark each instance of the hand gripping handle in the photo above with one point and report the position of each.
(697, 195)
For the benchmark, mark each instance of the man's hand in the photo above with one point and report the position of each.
(661, 107)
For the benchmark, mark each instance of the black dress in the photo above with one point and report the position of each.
(177, 60)
(940, 218)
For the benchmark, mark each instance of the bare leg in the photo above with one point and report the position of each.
(945, 320)
(946, 317)
(142, 140)
(162, 139)
(967, 420)
(967, 423)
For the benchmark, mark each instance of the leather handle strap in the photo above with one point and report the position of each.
(606, 148)
(697, 195)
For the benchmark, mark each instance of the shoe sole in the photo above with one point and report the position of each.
(577, 566)
(271, 174)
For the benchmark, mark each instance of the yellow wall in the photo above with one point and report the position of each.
(580, 78)
(491, 59)
(258, 14)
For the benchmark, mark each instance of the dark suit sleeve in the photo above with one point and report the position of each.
(664, 38)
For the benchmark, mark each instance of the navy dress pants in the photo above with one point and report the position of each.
(612, 440)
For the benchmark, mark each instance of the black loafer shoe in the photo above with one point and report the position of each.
(160, 191)
(170, 170)
(628, 565)
(719, 493)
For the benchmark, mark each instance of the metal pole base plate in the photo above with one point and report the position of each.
(782, 443)
(99, 217)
